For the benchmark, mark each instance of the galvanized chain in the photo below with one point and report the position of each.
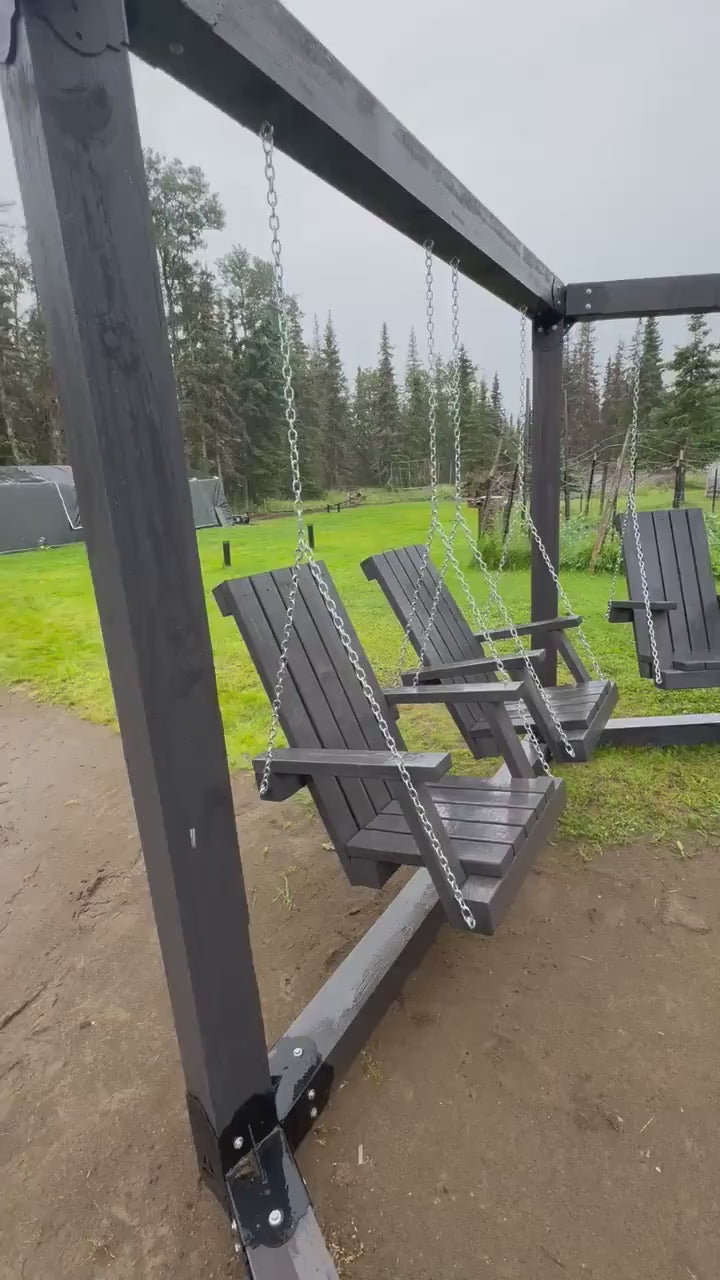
(450, 559)
(434, 524)
(303, 551)
(392, 746)
(631, 511)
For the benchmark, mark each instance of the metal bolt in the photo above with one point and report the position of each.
(238, 1143)
(311, 1095)
(588, 306)
(177, 48)
(554, 328)
(588, 291)
(238, 1247)
(275, 1217)
(313, 1113)
(297, 1051)
(233, 1227)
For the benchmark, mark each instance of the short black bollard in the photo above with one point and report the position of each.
(226, 554)
(311, 536)
(338, 507)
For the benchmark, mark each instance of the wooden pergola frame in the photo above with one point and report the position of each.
(70, 107)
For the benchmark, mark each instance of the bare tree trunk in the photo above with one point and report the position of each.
(6, 418)
(611, 503)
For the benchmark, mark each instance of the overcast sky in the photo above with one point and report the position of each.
(591, 131)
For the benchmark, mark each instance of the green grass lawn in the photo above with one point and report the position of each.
(50, 645)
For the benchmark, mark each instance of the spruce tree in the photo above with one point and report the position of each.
(690, 416)
(386, 409)
(334, 413)
(367, 467)
(415, 407)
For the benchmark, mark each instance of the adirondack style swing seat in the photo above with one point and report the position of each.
(682, 598)
(490, 830)
(453, 654)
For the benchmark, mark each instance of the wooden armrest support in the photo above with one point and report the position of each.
(534, 628)
(488, 693)
(625, 610)
(472, 666)
(316, 761)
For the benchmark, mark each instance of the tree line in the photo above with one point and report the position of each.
(368, 430)
(678, 400)
(223, 332)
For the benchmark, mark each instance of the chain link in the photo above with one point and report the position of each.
(304, 552)
(631, 511)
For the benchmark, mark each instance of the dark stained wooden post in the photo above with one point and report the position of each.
(71, 112)
(546, 450)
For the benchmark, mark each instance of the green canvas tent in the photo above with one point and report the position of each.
(39, 508)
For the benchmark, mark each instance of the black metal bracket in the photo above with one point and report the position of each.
(301, 1084)
(9, 12)
(83, 25)
(267, 1196)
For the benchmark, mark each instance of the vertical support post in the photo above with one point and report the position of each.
(509, 504)
(590, 484)
(547, 346)
(311, 535)
(227, 558)
(603, 485)
(71, 113)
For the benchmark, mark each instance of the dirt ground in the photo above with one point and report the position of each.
(538, 1105)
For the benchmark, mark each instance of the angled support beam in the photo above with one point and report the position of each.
(545, 435)
(653, 296)
(256, 62)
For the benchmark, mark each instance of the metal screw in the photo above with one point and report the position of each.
(275, 1217)
(313, 1113)
(177, 48)
(554, 328)
(588, 291)
(238, 1247)
(233, 1227)
(238, 1143)
(297, 1051)
(588, 306)
(311, 1095)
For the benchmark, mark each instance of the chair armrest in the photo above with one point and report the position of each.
(489, 693)
(314, 762)
(624, 610)
(472, 666)
(534, 628)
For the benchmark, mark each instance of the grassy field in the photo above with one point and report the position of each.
(50, 645)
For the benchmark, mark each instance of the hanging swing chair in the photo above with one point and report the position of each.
(565, 721)
(382, 806)
(673, 606)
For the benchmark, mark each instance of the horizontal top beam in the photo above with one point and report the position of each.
(653, 296)
(256, 62)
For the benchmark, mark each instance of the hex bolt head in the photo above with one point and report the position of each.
(238, 1143)
(313, 1113)
(275, 1217)
(588, 306)
(297, 1051)
(311, 1095)
(588, 290)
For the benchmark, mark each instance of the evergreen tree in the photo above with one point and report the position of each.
(690, 417)
(386, 408)
(415, 406)
(651, 390)
(334, 412)
(368, 468)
